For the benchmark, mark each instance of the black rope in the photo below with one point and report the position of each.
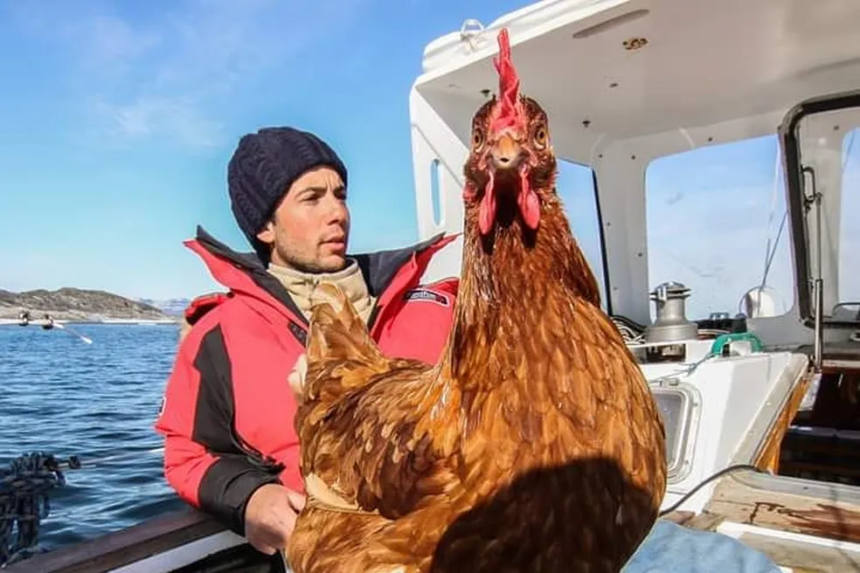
(24, 502)
(709, 479)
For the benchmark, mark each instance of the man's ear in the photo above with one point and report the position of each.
(267, 235)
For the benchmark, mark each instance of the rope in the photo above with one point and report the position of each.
(631, 331)
(770, 247)
(709, 479)
(24, 502)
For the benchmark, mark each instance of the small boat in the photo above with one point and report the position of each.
(756, 405)
(25, 318)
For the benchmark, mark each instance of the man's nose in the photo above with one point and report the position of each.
(336, 210)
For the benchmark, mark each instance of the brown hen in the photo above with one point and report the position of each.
(533, 445)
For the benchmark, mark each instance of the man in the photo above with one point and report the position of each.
(227, 417)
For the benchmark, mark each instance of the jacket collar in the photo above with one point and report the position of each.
(244, 271)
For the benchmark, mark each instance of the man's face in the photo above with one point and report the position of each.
(310, 227)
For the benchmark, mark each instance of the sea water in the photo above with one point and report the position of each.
(97, 401)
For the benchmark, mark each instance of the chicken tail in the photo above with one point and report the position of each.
(336, 329)
(340, 353)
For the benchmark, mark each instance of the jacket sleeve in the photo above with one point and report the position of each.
(204, 462)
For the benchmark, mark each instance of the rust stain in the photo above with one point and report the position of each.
(826, 521)
(774, 507)
(831, 521)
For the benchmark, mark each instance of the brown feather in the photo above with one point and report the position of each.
(533, 445)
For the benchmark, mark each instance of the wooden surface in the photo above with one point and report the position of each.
(800, 558)
(769, 457)
(789, 512)
(803, 558)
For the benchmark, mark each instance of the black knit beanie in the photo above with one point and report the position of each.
(262, 169)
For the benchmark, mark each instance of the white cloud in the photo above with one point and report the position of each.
(111, 43)
(170, 75)
(177, 118)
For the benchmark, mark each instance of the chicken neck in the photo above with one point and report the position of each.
(510, 280)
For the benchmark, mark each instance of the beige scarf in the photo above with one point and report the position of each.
(350, 280)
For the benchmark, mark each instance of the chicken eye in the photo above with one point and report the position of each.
(540, 137)
(477, 139)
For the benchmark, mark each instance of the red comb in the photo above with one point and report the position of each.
(509, 85)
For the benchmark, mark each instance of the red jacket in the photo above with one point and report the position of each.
(227, 412)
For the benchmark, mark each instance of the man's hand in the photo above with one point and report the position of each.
(296, 378)
(271, 517)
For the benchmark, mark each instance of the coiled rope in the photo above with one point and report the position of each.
(24, 502)
(24, 497)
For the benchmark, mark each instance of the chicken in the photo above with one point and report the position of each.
(533, 444)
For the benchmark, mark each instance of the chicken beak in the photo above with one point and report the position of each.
(507, 153)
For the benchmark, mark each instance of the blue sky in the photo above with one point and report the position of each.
(118, 119)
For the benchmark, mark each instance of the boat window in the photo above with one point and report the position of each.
(680, 420)
(849, 226)
(576, 187)
(825, 176)
(717, 222)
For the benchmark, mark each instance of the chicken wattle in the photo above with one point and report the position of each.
(533, 445)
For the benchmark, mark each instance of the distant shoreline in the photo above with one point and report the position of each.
(142, 321)
(69, 305)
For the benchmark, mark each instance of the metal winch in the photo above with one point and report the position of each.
(671, 324)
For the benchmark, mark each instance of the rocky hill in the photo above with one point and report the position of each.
(76, 305)
(170, 306)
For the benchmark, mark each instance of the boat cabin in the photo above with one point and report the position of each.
(710, 175)
(710, 137)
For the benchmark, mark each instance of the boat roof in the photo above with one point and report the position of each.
(612, 70)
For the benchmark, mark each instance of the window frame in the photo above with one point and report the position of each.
(796, 188)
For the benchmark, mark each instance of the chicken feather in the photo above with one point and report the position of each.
(533, 444)
(347, 373)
